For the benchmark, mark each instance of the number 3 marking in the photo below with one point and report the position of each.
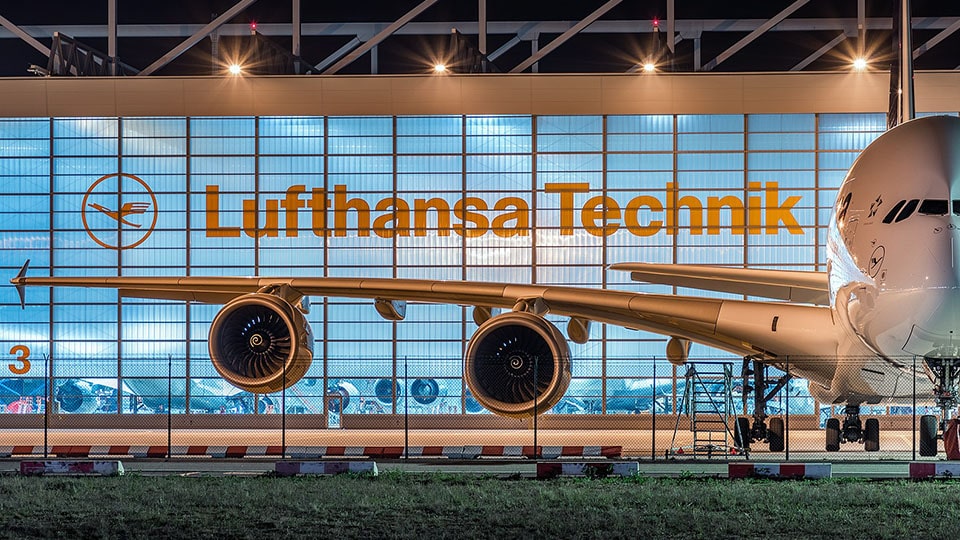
(23, 353)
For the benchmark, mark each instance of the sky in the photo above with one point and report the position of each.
(774, 51)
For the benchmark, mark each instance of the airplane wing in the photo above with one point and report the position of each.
(742, 327)
(794, 286)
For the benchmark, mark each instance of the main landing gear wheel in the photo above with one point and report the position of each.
(871, 435)
(928, 435)
(775, 435)
(741, 433)
(833, 434)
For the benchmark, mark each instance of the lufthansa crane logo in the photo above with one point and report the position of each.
(119, 211)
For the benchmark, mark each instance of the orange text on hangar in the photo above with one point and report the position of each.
(599, 215)
(512, 219)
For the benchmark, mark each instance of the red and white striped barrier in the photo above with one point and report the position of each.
(934, 469)
(780, 470)
(101, 468)
(316, 452)
(595, 470)
(325, 468)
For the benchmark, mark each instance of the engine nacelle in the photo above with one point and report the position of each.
(77, 397)
(517, 363)
(261, 343)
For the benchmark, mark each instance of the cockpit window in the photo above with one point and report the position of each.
(893, 212)
(934, 207)
(956, 206)
(907, 210)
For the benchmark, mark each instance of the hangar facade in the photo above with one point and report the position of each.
(542, 179)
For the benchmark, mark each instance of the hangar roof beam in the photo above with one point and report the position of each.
(562, 38)
(944, 34)
(820, 52)
(197, 36)
(20, 33)
(384, 34)
(755, 34)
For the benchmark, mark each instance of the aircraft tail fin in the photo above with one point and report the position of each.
(18, 282)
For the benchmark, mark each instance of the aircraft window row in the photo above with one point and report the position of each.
(928, 207)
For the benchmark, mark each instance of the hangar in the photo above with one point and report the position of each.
(519, 178)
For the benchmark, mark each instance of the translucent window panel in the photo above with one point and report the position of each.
(429, 145)
(293, 127)
(640, 143)
(24, 175)
(434, 349)
(85, 136)
(781, 123)
(499, 163)
(568, 275)
(852, 122)
(497, 126)
(428, 183)
(429, 164)
(24, 128)
(503, 144)
(498, 181)
(348, 359)
(360, 126)
(662, 123)
(710, 162)
(566, 165)
(225, 166)
(429, 125)
(360, 165)
(846, 140)
(360, 145)
(711, 142)
(781, 141)
(305, 165)
(290, 146)
(25, 147)
(709, 123)
(440, 370)
(24, 212)
(569, 124)
(522, 274)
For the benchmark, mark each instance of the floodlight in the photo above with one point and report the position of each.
(860, 64)
(235, 69)
(439, 68)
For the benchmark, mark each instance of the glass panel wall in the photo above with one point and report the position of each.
(507, 198)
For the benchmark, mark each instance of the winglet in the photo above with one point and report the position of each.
(18, 282)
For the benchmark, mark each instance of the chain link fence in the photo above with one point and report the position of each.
(647, 409)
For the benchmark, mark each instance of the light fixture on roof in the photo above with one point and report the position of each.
(649, 67)
(860, 64)
(235, 69)
(439, 68)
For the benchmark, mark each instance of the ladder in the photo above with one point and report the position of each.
(708, 404)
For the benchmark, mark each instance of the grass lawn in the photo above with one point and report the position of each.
(396, 505)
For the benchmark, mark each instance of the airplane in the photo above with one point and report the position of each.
(890, 295)
(130, 208)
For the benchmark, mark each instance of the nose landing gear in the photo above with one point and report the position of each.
(853, 430)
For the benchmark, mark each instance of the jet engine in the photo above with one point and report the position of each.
(77, 397)
(261, 343)
(517, 364)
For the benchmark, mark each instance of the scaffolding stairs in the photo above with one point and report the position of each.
(707, 403)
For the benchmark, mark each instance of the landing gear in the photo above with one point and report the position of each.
(946, 375)
(928, 435)
(755, 381)
(853, 430)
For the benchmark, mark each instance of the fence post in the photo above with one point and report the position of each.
(653, 410)
(786, 422)
(169, 406)
(914, 408)
(283, 415)
(406, 410)
(536, 394)
(47, 397)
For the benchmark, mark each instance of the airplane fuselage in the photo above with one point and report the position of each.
(892, 260)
